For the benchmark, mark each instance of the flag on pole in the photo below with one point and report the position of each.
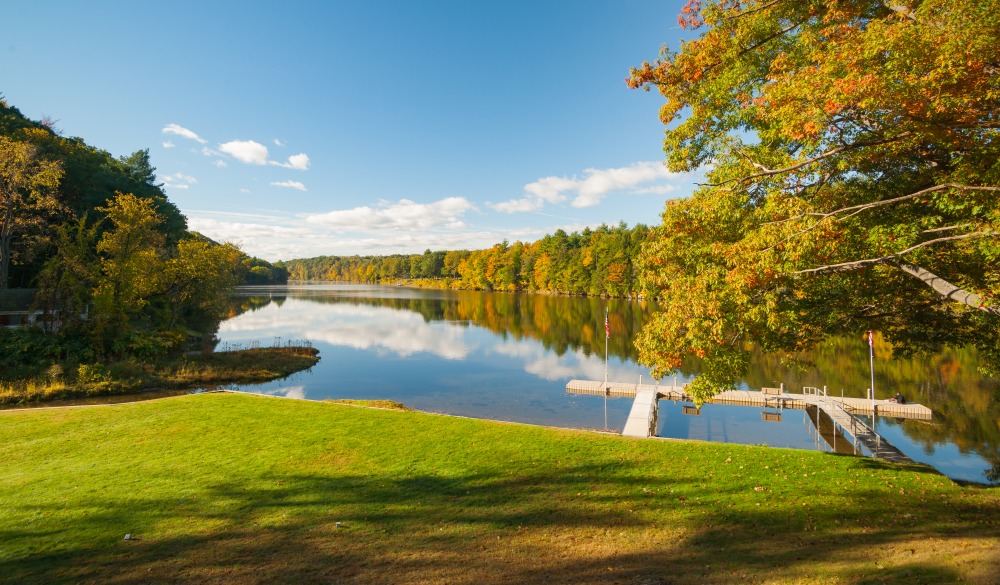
(871, 339)
(607, 327)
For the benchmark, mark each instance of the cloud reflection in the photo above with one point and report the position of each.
(406, 333)
(572, 364)
(360, 327)
(298, 392)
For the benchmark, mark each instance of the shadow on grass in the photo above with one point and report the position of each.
(584, 524)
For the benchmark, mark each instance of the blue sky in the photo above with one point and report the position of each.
(299, 129)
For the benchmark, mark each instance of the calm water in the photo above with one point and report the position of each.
(508, 357)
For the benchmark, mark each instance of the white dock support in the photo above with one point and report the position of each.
(642, 419)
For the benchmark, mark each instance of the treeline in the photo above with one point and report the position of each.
(599, 262)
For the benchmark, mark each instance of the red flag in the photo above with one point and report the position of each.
(607, 327)
(871, 339)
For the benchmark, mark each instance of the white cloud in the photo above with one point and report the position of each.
(244, 232)
(278, 142)
(244, 190)
(255, 153)
(168, 144)
(551, 189)
(296, 161)
(178, 181)
(220, 163)
(246, 151)
(184, 132)
(518, 205)
(275, 234)
(289, 185)
(656, 190)
(599, 183)
(406, 214)
(592, 188)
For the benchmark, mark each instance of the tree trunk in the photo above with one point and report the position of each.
(4, 260)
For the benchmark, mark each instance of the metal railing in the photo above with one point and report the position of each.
(858, 426)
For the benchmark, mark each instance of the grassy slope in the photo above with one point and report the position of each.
(247, 489)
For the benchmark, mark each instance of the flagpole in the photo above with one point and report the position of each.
(871, 362)
(607, 334)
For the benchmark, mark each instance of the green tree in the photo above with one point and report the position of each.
(198, 279)
(67, 279)
(853, 183)
(27, 200)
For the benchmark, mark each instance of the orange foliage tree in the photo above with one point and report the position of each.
(851, 152)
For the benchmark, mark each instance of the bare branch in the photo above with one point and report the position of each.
(856, 264)
(947, 289)
(807, 162)
(865, 206)
(751, 11)
(947, 228)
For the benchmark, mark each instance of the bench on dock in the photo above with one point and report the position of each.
(773, 393)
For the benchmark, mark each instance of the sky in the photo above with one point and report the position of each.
(340, 127)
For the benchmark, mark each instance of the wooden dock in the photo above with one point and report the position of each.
(835, 415)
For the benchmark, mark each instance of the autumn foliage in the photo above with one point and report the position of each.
(851, 157)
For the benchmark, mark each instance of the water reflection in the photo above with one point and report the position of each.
(508, 356)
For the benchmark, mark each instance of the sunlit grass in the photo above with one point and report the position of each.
(248, 489)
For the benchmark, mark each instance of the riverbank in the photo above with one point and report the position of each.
(245, 366)
(247, 489)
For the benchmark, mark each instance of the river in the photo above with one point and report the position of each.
(506, 356)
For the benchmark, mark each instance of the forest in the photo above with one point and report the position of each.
(95, 254)
(594, 262)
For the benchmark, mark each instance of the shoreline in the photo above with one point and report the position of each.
(183, 375)
(374, 404)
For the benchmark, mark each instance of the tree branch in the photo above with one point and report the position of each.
(770, 172)
(750, 11)
(856, 264)
(946, 228)
(865, 206)
(947, 289)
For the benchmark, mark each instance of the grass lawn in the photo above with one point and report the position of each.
(227, 488)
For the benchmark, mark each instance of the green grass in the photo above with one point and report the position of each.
(229, 488)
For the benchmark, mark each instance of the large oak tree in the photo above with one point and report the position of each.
(853, 179)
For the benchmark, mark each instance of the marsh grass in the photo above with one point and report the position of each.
(389, 404)
(246, 366)
(231, 488)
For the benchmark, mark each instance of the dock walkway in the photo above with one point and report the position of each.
(751, 398)
(641, 420)
(840, 410)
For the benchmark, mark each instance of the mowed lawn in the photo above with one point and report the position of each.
(228, 488)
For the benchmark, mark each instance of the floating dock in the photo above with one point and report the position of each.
(838, 413)
(752, 398)
(641, 420)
